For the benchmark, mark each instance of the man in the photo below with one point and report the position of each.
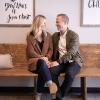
(66, 55)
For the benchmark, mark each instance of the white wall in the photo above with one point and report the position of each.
(72, 9)
(50, 8)
(13, 35)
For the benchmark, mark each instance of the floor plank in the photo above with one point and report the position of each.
(48, 97)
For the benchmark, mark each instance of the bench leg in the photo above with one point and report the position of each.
(35, 87)
(83, 88)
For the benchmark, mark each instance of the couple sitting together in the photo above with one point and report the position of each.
(49, 56)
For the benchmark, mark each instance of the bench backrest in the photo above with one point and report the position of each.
(18, 52)
(90, 53)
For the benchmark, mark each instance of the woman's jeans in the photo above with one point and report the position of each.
(44, 75)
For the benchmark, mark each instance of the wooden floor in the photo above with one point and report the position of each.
(46, 97)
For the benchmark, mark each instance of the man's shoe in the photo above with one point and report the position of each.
(52, 88)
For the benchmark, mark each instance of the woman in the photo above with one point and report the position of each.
(39, 52)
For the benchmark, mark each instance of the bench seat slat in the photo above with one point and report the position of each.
(14, 72)
(90, 72)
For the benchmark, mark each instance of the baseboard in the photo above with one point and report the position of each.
(31, 89)
(16, 91)
(89, 89)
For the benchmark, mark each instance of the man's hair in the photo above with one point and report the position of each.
(64, 17)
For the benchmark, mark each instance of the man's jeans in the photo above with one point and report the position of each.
(70, 70)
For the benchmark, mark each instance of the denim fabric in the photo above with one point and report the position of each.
(44, 75)
(70, 70)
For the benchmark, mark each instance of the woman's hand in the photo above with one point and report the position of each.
(47, 61)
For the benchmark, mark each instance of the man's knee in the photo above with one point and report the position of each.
(73, 70)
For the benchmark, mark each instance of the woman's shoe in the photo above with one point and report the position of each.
(38, 96)
(52, 88)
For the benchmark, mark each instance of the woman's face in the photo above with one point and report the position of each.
(43, 25)
(41, 28)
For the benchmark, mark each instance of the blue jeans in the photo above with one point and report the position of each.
(44, 75)
(70, 70)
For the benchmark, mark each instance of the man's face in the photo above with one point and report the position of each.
(61, 26)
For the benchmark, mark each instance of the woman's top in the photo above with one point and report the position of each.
(36, 50)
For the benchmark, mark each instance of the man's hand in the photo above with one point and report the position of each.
(54, 63)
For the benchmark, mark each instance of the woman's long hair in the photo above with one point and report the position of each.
(36, 24)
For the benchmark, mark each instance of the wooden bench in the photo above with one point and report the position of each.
(91, 67)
